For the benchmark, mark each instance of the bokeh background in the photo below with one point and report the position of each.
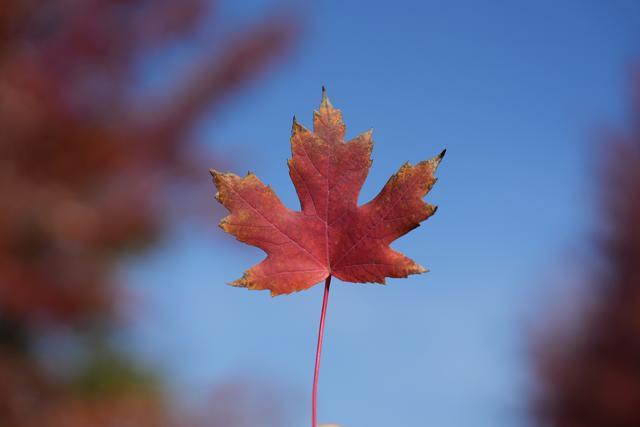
(113, 304)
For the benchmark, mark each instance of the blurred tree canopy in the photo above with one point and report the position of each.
(86, 158)
(588, 367)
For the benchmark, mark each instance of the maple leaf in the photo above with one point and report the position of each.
(332, 235)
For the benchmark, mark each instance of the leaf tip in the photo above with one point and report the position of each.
(241, 282)
(437, 159)
(434, 162)
(223, 222)
(420, 269)
(325, 99)
(217, 177)
(296, 127)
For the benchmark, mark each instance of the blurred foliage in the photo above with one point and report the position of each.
(589, 367)
(86, 158)
(107, 372)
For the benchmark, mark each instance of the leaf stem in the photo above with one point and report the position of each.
(316, 371)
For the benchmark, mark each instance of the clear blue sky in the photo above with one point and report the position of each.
(516, 91)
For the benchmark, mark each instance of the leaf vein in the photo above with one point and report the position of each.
(276, 227)
(366, 234)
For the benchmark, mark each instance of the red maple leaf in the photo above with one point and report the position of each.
(332, 235)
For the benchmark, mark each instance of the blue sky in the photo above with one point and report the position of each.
(516, 92)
